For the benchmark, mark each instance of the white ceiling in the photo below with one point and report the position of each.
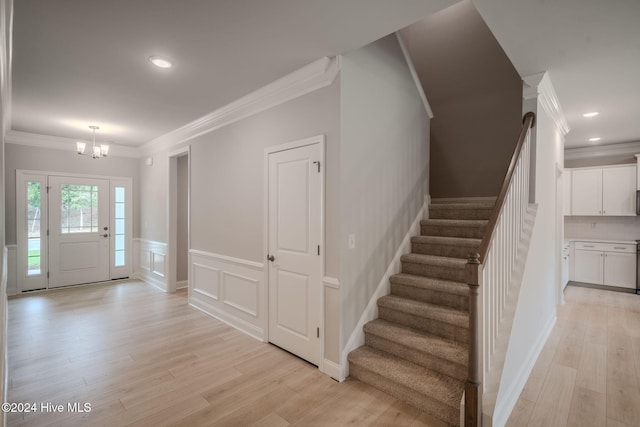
(591, 49)
(81, 62)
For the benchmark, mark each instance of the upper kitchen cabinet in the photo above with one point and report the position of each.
(607, 191)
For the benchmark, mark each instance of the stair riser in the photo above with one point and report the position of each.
(459, 213)
(441, 329)
(437, 271)
(406, 394)
(421, 358)
(457, 302)
(443, 250)
(452, 231)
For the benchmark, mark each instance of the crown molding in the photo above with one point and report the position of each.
(309, 78)
(539, 86)
(61, 143)
(621, 149)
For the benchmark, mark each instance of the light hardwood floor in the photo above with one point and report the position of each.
(588, 373)
(143, 357)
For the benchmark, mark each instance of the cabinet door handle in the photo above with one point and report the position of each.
(589, 246)
(619, 247)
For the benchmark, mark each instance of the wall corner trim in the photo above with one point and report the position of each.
(539, 86)
(414, 75)
(314, 76)
(225, 258)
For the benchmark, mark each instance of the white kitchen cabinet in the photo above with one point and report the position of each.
(619, 190)
(610, 264)
(620, 269)
(603, 191)
(589, 267)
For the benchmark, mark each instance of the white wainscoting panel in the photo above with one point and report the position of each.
(149, 262)
(12, 269)
(230, 289)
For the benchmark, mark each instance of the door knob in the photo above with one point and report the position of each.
(271, 258)
(105, 235)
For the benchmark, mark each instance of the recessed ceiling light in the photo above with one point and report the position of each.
(592, 114)
(594, 139)
(160, 62)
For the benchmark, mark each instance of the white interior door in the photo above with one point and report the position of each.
(78, 230)
(294, 237)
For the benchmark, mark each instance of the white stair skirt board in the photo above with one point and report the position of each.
(371, 311)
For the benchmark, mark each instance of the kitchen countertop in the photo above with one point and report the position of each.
(620, 242)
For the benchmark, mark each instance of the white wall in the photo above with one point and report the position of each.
(153, 191)
(607, 228)
(6, 13)
(41, 159)
(536, 311)
(384, 168)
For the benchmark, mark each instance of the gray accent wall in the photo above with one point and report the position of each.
(227, 171)
(476, 97)
(48, 160)
(384, 168)
(182, 251)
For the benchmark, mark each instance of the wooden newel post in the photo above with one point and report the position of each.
(472, 402)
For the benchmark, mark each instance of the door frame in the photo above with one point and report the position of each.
(172, 215)
(318, 139)
(20, 177)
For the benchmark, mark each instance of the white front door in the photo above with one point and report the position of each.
(294, 237)
(78, 230)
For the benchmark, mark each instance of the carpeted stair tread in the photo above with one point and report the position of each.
(456, 247)
(479, 210)
(417, 340)
(428, 390)
(445, 240)
(442, 261)
(425, 310)
(430, 283)
(473, 228)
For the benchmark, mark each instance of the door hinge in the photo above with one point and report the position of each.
(47, 232)
(317, 162)
(318, 249)
(317, 332)
(47, 187)
(47, 274)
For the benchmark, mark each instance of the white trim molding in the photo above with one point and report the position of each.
(539, 86)
(150, 262)
(60, 143)
(331, 282)
(230, 289)
(621, 149)
(309, 78)
(414, 75)
(371, 311)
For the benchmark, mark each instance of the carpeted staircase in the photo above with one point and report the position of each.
(417, 349)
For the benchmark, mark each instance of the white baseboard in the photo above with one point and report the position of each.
(153, 280)
(371, 311)
(252, 330)
(505, 406)
(182, 284)
(334, 370)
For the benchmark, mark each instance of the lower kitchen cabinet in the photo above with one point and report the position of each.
(607, 264)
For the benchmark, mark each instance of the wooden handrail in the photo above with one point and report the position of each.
(528, 121)
(473, 396)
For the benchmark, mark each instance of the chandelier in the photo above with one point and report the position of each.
(97, 151)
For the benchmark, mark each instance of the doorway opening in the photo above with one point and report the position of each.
(179, 240)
